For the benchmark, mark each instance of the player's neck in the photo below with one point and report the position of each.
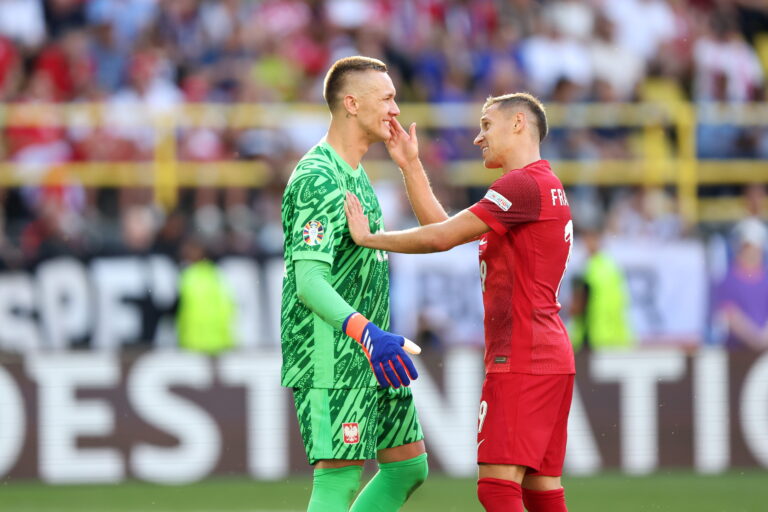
(350, 144)
(521, 158)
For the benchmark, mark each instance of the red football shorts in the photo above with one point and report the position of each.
(524, 421)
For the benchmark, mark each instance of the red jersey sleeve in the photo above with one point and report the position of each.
(512, 199)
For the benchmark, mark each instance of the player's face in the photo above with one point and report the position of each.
(494, 138)
(377, 105)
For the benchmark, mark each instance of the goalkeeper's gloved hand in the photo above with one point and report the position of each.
(384, 350)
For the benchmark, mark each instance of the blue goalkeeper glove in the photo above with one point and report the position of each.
(384, 350)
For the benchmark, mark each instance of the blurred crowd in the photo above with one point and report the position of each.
(160, 54)
(438, 50)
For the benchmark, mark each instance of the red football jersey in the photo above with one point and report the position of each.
(522, 262)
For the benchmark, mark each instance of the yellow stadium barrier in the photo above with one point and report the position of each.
(662, 160)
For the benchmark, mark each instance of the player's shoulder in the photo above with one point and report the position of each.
(538, 170)
(317, 160)
(538, 173)
(317, 166)
(517, 179)
(541, 172)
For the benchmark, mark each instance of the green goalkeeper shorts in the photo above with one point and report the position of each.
(353, 424)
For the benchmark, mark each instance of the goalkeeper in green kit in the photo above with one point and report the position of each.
(349, 376)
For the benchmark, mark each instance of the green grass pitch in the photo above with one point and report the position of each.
(668, 491)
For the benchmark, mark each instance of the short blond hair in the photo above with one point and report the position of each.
(334, 79)
(529, 101)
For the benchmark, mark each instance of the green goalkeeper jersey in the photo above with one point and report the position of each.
(315, 355)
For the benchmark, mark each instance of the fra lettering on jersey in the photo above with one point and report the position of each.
(558, 197)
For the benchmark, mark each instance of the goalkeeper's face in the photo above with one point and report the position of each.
(376, 105)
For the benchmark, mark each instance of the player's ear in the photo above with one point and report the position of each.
(351, 105)
(519, 122)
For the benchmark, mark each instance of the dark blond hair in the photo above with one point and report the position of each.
(527, 100)
(334, 79)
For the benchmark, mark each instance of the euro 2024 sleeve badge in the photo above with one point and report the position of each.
(313, 233)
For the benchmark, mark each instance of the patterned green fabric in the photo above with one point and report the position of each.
(398, 422)
(353, 424)
(314, 354)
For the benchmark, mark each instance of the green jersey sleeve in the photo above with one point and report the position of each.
(314, 290)
(318, 216)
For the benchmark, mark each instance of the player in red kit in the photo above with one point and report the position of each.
(526, 235)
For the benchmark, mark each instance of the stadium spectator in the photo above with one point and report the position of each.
(151, 95)
(528, 356)
(206, 311)
(129, 19)
(180, 28)
(138, 229)
(497, 65)
(31, 141)
(521, 14)
(36, 142)
(550, 56)
(109, 61)
(221, 20)
(573, 18)
(642, 26)
(645, 214)
(171, 234)
(10, 69)
(725, 66)
(752, 16)
(599, 306)
(68, 64)
(755, 202)
(23, 21)
(740, 300)
(151, 90)
(62, 16)
(57, 230)
(10, 256)
(719, 139)
(614, 64)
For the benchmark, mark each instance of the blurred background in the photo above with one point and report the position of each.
(144, 148)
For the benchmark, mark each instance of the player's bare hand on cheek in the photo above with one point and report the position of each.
(403, 146)
(359, 228)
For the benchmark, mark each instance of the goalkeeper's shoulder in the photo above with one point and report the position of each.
(316, 162)
(316, 174)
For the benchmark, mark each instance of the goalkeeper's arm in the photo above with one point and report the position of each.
(390, 363)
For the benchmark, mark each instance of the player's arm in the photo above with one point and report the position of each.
(314, 290)
(403, 147)
(459, 229)
(384, 350)
(743, 328)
